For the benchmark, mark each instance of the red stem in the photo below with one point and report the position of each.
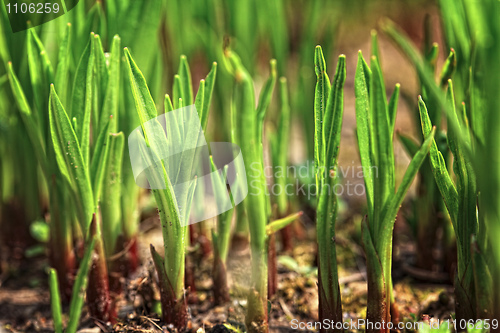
(174, 311)
(220, 287)
(189, 279)
(286, 238)
(272, 270)
(99, 300)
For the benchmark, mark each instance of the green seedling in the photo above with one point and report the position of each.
(280, 142)
(171, 268)
(77, 298)
(248, 121)
(471, 134)
(375, 118)
(328, 112)
(73, 167)
(430, 217)
(220, 240)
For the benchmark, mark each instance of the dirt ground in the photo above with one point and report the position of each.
(25, 307)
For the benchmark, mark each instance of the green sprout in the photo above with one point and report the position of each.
(77, 298)
(279, 144)
(171, 268)
(430, 215)
(74, 163)
(472, 130)
(248, 121)
(328, 112)
(220, 240)
(375, 118)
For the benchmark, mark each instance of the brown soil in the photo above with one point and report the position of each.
(25, 303)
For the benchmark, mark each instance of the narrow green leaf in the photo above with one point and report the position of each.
(439, 169)
(375, 276)
(111, 101)
(177, 91)
(375, 49)
(199, 100)
(80, 287)
(70, 160)
(393, 107)
(448, 68)
(36, 78)
(111, 192)
(483, 281)
(168, 104)
(190, 196)
(82, 100)
(363, 128)
(99, 160)
(74, 123)
(44, 57)
(323, 87)
(55, 301)
(384, 184)
(101, 69)
(265, 97)
(332, 121)
(164, 283)
(280, 148)
(431, 56)
(266, 93)
(207, 100)
(26, 115)
(143, 101)
(63, 62)
(376, 61)
(279, 224)
(185, 80)
(173, 128)
(18, 92)
(222, 237)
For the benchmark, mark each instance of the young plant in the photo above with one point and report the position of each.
(279, 154)
(280, 141)
(328, 112)
(248, 122)
(74, 161)
(174, 209)
(472, 136)
(473, 277)
(247, 133)
(71, 151)
(77, 298)
(220, 240)
(430, 215)
(375, 119)
(33, 114)
(487, 157)
(23, 193)
(35, 73)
